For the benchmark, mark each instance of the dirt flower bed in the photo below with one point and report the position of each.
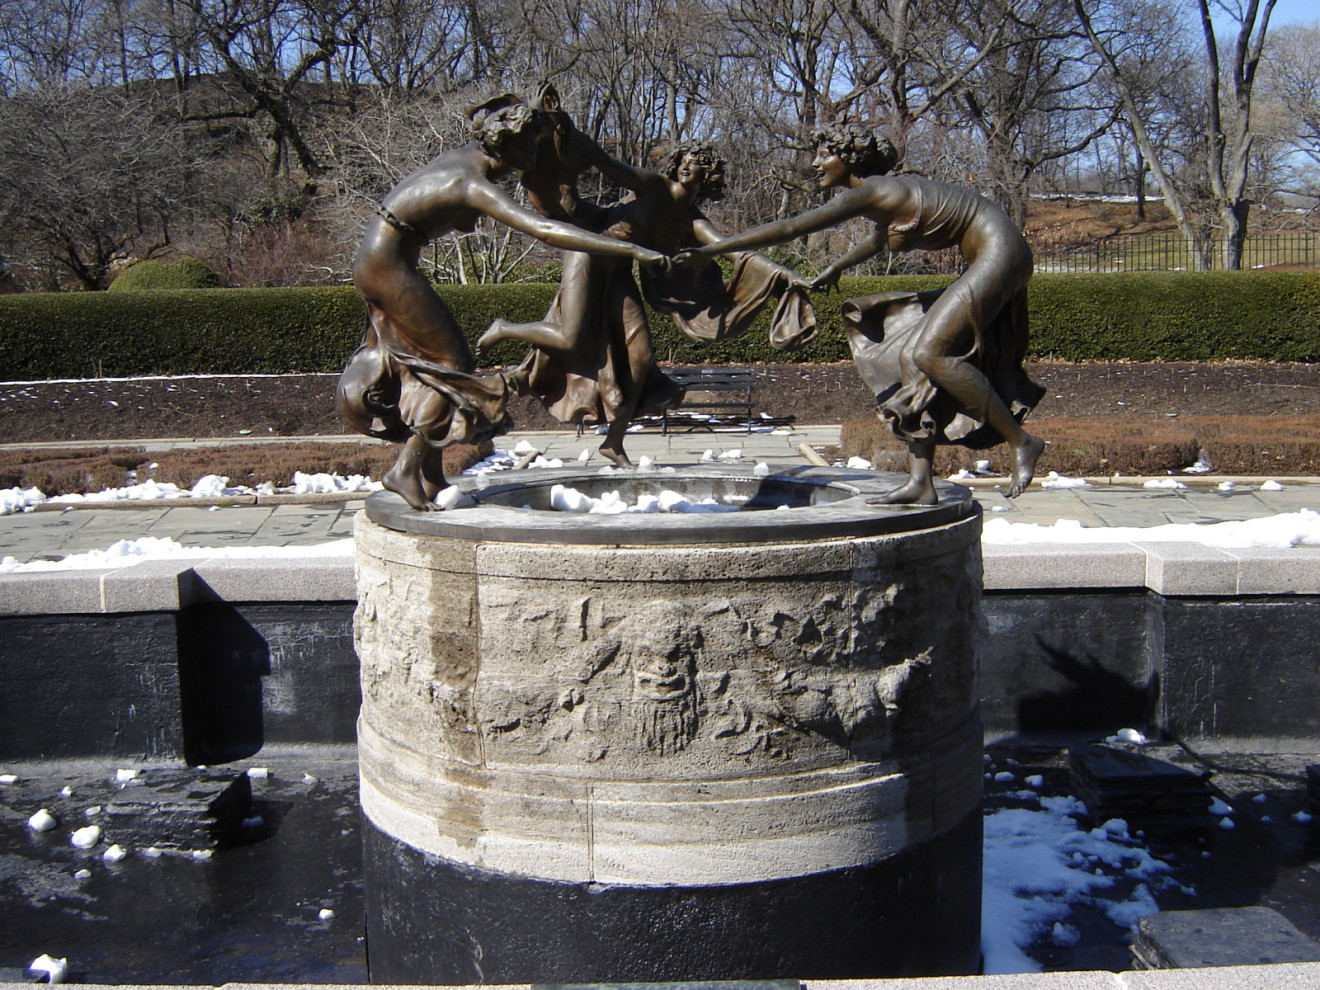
(1101, 418)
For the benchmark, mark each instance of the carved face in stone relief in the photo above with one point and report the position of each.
(659, 648)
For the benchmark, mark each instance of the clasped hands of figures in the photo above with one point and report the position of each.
(826, 281)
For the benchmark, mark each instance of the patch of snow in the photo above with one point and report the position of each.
(1164, 483)
(1288, 529)
(19, 499)
(125, 553)
(1271, 486)
(1038, 864)
(55, 969)
(86, 837)
(856, 463)
(454, 497)
(114, 854)
(1056, 480)
(42, 821)
(1128, 736)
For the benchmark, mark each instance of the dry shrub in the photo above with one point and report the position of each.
(1254, 445)
(61, 472)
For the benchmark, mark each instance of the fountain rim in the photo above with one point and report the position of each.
(856, 514)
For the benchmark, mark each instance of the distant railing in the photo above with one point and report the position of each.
(1168, 252)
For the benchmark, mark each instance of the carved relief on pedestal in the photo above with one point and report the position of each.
(763, 683)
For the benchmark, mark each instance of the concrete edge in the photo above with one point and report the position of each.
(1285, 976)
(174, 584)
(1170, 569)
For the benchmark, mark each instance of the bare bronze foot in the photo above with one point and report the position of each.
(1024, 464)
(409, 487)
(615, 454)
(915, 492)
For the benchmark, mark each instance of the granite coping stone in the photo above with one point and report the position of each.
(1166, 568)
(1169, 569)
(173, 584)
(275, 579)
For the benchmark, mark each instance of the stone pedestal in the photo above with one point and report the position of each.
(659, 748)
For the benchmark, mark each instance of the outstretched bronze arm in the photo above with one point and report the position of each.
(842, 207)
(495, 203)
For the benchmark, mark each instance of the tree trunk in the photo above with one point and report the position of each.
(1141, 186)
(1234, 218)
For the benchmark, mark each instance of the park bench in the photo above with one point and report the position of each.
(716, 389)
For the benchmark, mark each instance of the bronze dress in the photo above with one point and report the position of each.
(990, 297)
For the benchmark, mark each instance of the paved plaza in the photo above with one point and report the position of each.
(52, 532)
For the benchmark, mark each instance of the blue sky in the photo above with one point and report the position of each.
(1289, 11)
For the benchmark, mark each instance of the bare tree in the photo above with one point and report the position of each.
(1290, 76)
(1228, 75)
(1031, 95)
(89, 176)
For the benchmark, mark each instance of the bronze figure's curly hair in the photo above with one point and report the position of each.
(864, 152)
(713, 187)
(497, 120)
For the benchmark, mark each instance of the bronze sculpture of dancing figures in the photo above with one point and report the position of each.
(592, 353)
(946, 367)
(411, 381)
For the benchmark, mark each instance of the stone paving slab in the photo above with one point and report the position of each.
(289, 520)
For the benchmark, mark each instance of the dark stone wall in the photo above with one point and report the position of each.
(257, 674)
(917, 913)
(90, 685)
(1068, 661)
(1246, 668)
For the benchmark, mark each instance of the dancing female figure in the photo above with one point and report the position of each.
(957, 366)
(592, 354)
(411, 381)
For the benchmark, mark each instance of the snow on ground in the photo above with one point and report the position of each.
(1040, 864)
(125, 553)
(210, 486)
(1289, 529)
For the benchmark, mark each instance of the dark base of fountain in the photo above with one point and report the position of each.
(915, 914)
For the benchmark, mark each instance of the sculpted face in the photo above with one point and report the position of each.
(830, 169)
(692, 170)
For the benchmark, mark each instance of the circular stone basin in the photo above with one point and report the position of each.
(822, 502)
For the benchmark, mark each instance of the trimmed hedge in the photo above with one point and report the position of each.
(181, 273)
(1272, 316)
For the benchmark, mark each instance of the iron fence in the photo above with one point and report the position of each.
(1169, 252)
